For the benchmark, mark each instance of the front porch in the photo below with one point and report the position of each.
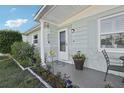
(87, 78)
(66, 34)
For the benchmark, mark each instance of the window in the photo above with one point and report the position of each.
(111, 33)
(35, 39)
(62, 41)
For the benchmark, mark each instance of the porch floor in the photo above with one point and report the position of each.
(87, 78)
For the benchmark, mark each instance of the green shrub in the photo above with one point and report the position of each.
(23, 52)
(37, 57)
(26, 54)
(7, 38)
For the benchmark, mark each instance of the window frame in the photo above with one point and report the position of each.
(64, 41)
(116, 50)
(35, 39)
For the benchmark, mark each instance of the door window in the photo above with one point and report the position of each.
(62, 41)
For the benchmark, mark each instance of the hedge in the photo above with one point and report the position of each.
(7, 38)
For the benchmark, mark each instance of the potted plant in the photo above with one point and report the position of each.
(79, 60)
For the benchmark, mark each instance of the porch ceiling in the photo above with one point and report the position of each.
(59, 14)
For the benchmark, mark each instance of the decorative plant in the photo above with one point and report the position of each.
(79, 56)
(49, 77)
(52, 55)
(26, 54)
(23, 52)
(79, 60)
(57, 81)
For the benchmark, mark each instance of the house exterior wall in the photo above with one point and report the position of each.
(85, 39)
(29, 38)
(24, 38)
(51, 40)
(46, 43)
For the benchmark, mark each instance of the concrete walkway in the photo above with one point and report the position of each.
(87, 78)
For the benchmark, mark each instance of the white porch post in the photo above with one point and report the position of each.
(42, 43)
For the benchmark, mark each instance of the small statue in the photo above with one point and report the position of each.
(68, 82)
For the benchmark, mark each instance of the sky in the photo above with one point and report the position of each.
(17, 17)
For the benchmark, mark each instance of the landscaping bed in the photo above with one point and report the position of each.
(28, 56)
(49, 77)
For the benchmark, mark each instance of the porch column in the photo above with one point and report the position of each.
(42, 43)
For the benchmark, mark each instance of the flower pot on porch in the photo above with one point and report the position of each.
(79, 60)
(79, 64)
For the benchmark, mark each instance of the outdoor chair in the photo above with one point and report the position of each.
(109, 66)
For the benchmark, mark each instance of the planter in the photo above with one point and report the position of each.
(79, 60)
(79, 64)
(49, 77)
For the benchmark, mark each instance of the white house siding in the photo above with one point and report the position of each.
(46, 44)
(54, 39)
(30, 38)
(85, 39)
(53, 43)
(24, 38)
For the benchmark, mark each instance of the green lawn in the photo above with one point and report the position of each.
(11, 76)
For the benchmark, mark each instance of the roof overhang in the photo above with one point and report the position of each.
(56, 14)
(31, 30)
(43, 10)
(65, 14)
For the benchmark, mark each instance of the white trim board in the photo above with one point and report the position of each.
(90, 11)
(112, 15)
(42, 8)
(67, 42)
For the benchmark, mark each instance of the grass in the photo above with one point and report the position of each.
(11, 76)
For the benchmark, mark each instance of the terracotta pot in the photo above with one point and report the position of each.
(79, 64)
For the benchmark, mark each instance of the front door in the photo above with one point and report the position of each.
(63, 45)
